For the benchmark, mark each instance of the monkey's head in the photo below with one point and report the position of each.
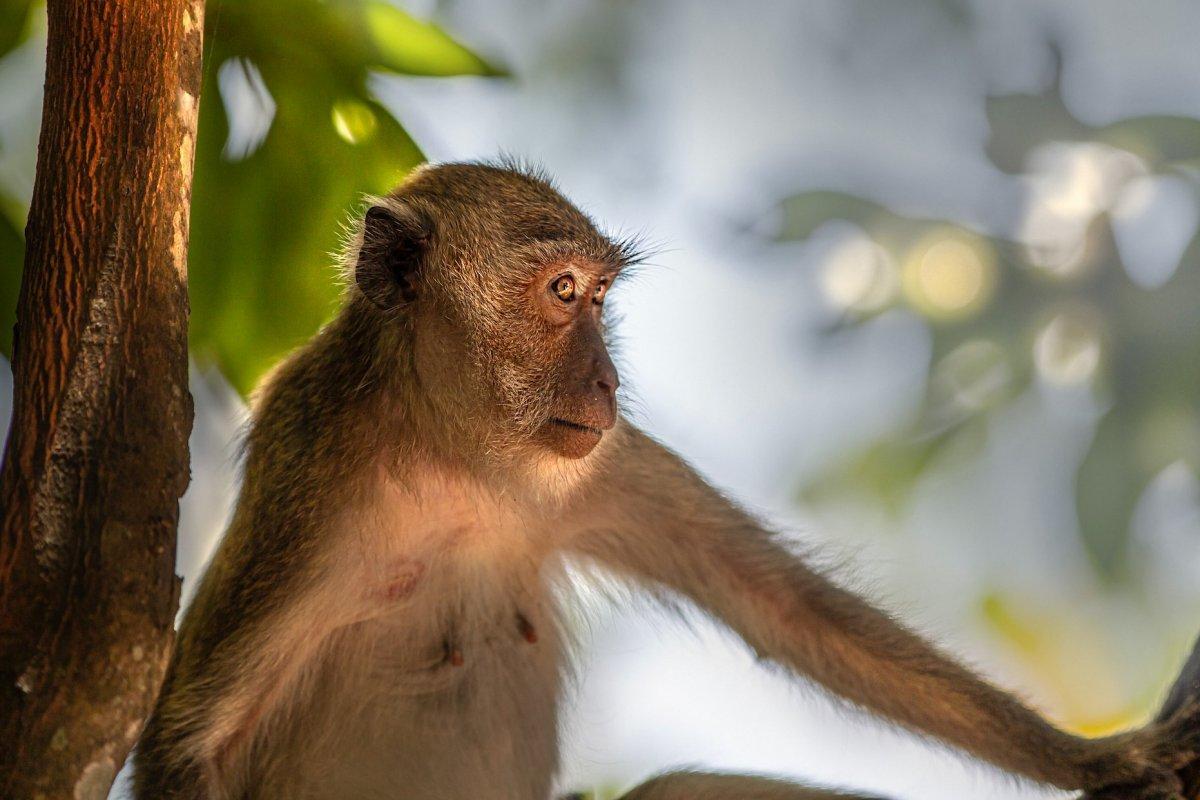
(496, 285)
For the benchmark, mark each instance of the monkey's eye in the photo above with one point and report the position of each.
(601, 290)
(564, 288)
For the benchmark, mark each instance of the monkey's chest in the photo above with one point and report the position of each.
(459, 629)
(451, 692)
(458, 602)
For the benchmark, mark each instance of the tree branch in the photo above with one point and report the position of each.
(1186, 689)
(97, 455)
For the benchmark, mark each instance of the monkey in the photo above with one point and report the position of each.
(383, 617)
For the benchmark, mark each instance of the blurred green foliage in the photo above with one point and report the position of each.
(14, 23)
(14, 30)
(1081, 321)
(267, 208)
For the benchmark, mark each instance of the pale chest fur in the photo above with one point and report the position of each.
(447, 679)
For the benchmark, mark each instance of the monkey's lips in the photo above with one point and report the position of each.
(576, 426)
(572, 439)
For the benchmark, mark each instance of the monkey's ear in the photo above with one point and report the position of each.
(395, 243)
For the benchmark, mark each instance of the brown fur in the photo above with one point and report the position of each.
(381, 618)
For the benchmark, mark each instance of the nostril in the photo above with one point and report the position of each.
(604, 374)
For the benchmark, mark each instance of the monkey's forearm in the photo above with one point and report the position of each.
(795, 616)
(863, 656)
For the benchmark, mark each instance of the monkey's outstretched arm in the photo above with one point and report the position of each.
(648, 514)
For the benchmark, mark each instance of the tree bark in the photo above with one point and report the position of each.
(1185, 690)
(97, 454)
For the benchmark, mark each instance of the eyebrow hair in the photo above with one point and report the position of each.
(628, 251)
(583, 262)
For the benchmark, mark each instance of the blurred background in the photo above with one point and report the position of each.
(927, 295)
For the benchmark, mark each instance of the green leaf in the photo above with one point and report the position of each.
(1158, 139)
(262, 277)
(1106, 491)
(802, 213)
(889, 470)
(14, 23)
(1149, 338)
(413, 47)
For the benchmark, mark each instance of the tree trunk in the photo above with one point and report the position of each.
(97, 454)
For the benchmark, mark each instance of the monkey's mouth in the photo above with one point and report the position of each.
(576, 426)
(571, 439)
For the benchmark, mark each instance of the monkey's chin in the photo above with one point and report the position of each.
(570, 439)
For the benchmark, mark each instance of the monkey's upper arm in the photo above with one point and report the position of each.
(649, 515)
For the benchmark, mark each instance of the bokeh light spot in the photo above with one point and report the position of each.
(950, 275)
(973, 376)
(859, 275)
(353, 121)
(1068, 348)
(1067, 185)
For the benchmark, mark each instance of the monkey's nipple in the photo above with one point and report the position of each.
(528, 632)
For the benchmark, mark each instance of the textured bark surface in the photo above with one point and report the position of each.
(97, 455)
(1186, 689)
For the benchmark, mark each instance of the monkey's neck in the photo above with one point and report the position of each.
(360, 375)
(354, 395)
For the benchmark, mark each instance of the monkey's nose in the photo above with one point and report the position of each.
(606, 377)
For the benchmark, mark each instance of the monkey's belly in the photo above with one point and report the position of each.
(431, 722)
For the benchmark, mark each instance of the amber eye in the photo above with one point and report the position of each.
(564, 288)
(601, 290)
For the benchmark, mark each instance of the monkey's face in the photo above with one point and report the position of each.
(501, 283)
(566, 301)
(524, 337)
